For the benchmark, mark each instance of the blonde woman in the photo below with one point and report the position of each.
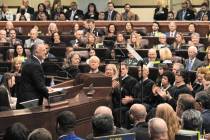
(166, 112)
(179, 41)
(165, 55)
(52, 28)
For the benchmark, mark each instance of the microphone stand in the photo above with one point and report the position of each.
(120, 58)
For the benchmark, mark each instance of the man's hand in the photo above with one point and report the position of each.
(127, 100)
(50, 90)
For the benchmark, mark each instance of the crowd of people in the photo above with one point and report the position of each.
(152, 108)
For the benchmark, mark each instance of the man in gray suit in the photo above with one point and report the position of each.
(33, 40)
(192, 63)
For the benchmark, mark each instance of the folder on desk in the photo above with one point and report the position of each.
(30, 103)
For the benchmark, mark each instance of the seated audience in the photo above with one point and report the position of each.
(33, 40)
(76, 27)
(9, 25)
(94, 64)
(61, 16)
(203, 105)
(28, 8)
(110, 14)
(111, 71)
(184, 102)
(56, 40)
(198, 83)
(71, 64)
(161, 69)
(207, 59)
(165, 56)
(17, 131)
(191, 29)
(192, 63)
(3, 36)
(91, 28)
(23, 14)
(179, 42)
(5, 14)
(92, 12)
(185, 13)
(138, 115)
(120, 41)
(13, 40)
(40, 134)
(137, 42)
(56, 9)
(8, 84)
(19, 52)
(162, 42)
(47, 4)
(111, 30)
(52, 28)
(127, 14)
(152, 58)
(203, 11)
(172, 30)
(131, 60)
(65, 125)
(166, 112)
(157, 129)
(91, 41)
(74, 13)
(171, 16)
(78, 41)
(161, 12)
(177, 67)
(41, 10)
(17, 66)
(192, 120)
(128, 29)
(155, 30)
(195, 41)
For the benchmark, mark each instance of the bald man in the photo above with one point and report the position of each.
(158, 129)
(33, 40)
(32, 78)
(192, 63)
(138, 115)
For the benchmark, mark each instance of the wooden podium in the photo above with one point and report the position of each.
(82, 105)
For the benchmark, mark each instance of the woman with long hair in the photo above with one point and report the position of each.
(166, 112)
(179, 41)
(92, 12)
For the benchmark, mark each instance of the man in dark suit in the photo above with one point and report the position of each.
(28, 9)
(138, 115)
(203, 11)
(74, 13)
(110, 14)
(32, 78)
(185, 13)
(192, 63)
(78, 41)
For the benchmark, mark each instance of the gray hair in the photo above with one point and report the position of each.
(192, 120)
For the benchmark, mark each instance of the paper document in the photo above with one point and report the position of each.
(134, 53)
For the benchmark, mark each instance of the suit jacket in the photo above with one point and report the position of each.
(168, 34)
(141, 131)
(197, 63)
(29, 10)
(206, 120)
(32, 82)
(188, 16)
(130, 16)
(163, 15)
(200, 14)
(74, 42)
(113, 16)
(78, 14)
(29, 43)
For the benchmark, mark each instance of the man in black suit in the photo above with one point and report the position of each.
(32, 78)
(185, 13)
(74, 13)
(110, 14)
(92, 28)
(192, 63)
(28, 9)
(138, 115)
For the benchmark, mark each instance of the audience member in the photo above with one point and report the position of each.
(127, 14)
(155, 30)
(177, 67)
(203, 105)
(192, 63)
(131, 60)
(171, 16)
(28, 9)
(157, 129)
(41, 10)
(138, 115)
(166, 112)
(52, 28)
(185, 13)
(128, 29)
(94, 64)
(74, 13)
(161, 12)
(165, 56)
(78, 41)
(110, 14)
(203, 11)
(195, 41)
(47, 4)
(40, 134)
(3, 36)
(65, 125)
(207, 59)
(17, 131)
(162, 42)
(192, 120)
(91, 41)
(191, 29)
(172, 30)
(151, 58)
(179, 42)
(33, 40)
(56, 9)
(92, 12)
(4, 100)
(13, 40)
(56, 40)
(111, 30)
(22, 13)
(5, 14)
